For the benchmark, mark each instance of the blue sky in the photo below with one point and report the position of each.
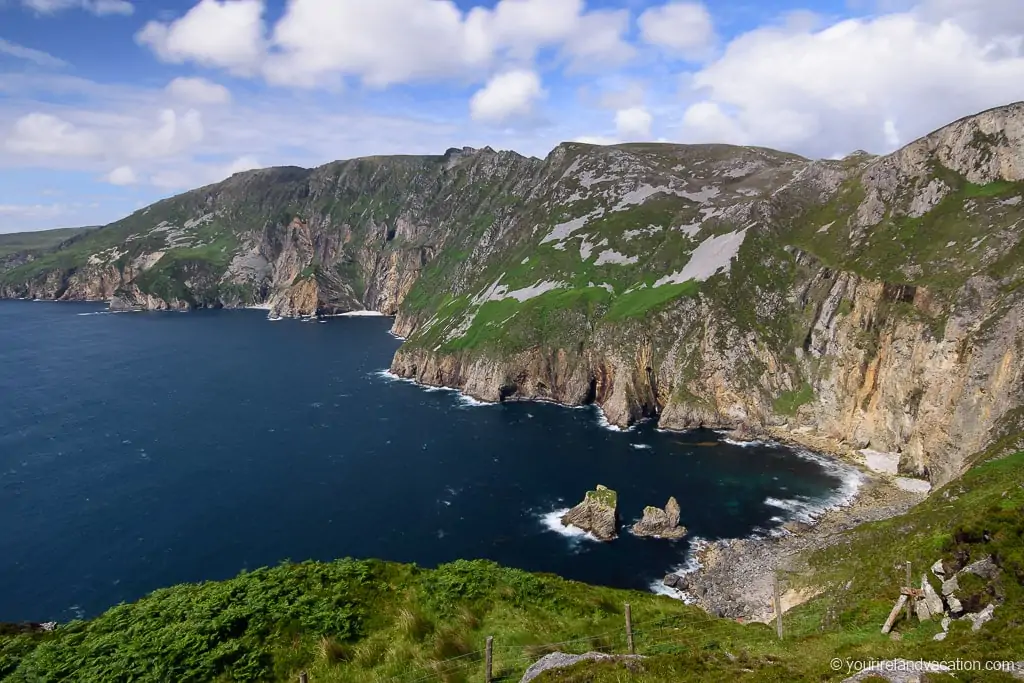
(108, 105)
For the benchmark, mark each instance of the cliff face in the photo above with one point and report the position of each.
(873, 300)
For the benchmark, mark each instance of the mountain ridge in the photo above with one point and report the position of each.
(873, 300)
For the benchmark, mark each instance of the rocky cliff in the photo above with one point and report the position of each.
(872, 300)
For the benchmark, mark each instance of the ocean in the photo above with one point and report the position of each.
(141, 450)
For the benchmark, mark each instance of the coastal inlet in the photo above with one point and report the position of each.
(142, 450)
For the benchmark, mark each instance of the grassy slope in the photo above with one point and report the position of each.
(367, 620)
(12, 243)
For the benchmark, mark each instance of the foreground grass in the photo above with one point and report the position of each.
(354, 620)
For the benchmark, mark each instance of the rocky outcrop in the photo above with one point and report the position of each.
(871, 301)
(597, 514)
(659, 523)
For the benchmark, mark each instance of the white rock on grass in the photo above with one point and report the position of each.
(711, 256)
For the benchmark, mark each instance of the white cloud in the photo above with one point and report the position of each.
(318, 42)
(48, 135)
(634, 123)
(243, 163)
(98, 7)
(29, 54)
(122, 175)
(219, 33)
(816, 91)
(506, 96)
(175, 134)
(198, 91)
(28, 211)
(683, 28)
(602, 140)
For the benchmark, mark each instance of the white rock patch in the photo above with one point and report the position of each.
(1012, 201)
(912, 485)
(825, 227)
(612, 256)
(711, 256)
(566, 229)
(877, 461)
(641, 232)
(534, 290)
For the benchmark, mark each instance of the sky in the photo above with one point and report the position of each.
(108, 105)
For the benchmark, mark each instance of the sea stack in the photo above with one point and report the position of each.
(660, 523)
(598, 514)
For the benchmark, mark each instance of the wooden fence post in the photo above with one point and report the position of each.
(303, 677)
(910, 584)
(489, 659)
(629, 630)
(778, 606)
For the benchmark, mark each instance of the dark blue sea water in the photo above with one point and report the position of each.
(143, 450)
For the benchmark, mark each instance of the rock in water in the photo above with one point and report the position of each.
(660, 523)
(598, 514)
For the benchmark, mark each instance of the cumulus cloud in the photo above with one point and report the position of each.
(316, 42)
(508, 95)
(860, 83)
(122, 175)
(682, 28)
(98, 7)
(48, 135)
(29, 54)
(243, 163)
(198, 91)
(633, 123)
(218, 33)
(173, 135)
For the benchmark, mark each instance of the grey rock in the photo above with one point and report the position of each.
(946, 621)
(940, 636)
(597, 514)
(950, 586)
(558, 660)
(983, 617)
(931, 597)
(922, 610)
(672, 580)
(898, 671)
(938, 569)
(985, 568)
(955, 606)
(660, 523)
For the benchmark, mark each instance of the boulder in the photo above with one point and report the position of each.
(950, 586)
(672, 580)
(955, 606)
(985, 568)
(597, 514)
(938, 569)
(931, 597)
(660, 523)
(982, 617)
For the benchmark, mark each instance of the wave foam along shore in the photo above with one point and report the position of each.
(690, 565)
(552, 521)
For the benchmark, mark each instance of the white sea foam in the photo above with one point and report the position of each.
(744, 444)
(552, 521)
(361, 314)
(689, 566)
(464, 400)
(95, 313)
(640, 446)
(808, 510)
(260, 307)
(602, 421)
(398, 337)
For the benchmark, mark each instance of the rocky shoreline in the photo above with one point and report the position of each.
(734, 577)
